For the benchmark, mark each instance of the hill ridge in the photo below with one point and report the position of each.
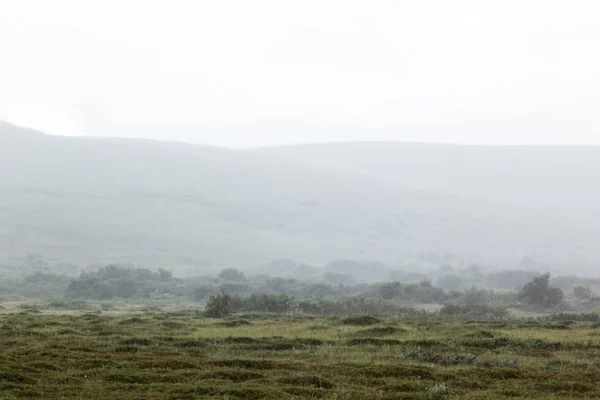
(153, 203)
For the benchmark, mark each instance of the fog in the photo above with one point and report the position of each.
(241, 74)
(238, 98)
(299, 199)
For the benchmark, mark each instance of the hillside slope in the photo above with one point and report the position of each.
(160, 203)
(558, 179)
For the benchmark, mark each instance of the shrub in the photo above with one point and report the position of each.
(476, 312)
(119, 281)
(218, 306)
(232, 275)
(202, 291)
(68, 304)
(364, 320)
(423, 292)
(89, 286)
(234, 288)
(164, 275)
(439, 391)
(539, 293)
(356, 306)
(390, 290)
(582, 293)
(126, 288)
(580, 317)
(265, 302)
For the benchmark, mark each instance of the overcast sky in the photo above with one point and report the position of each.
(249, 73)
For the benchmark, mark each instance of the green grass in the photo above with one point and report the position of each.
(160, 355)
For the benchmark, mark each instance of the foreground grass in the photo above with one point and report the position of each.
(159, 355)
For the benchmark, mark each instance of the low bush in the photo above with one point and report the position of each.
(218, 306)
(474, 312)
(579, 317)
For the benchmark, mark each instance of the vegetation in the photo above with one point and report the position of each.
(119, 332)
(179, 354)
(539, 293)
(232, 291)
(218, 306)
(378, 315)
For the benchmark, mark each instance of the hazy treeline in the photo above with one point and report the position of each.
(459, 292)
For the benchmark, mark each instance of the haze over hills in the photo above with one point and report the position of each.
(84, 200)
(562, 180)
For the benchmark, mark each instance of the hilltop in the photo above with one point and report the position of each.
(85, 200)
(560, 180)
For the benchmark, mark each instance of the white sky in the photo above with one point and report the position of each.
(249, 73)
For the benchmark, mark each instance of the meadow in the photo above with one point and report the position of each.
(49, 354)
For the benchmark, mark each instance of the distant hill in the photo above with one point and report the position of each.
(561, 180)
(77, 199)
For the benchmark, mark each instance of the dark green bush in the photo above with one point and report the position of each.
(539, 293)
(123, 282)
(356, 306)
(579, 317)
(264, 302)
(476, 312)
(219, 305)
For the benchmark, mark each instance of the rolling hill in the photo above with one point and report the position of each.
(83, 200)
(561, 180)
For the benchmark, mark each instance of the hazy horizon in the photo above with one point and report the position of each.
(314, 143)
(244, 75)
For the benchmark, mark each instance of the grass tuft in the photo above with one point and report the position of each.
(308, 380)
(365, 320)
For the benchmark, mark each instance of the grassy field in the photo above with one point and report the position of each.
(160, 355)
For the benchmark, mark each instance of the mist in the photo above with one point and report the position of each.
(251, 75)
(317, 199)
